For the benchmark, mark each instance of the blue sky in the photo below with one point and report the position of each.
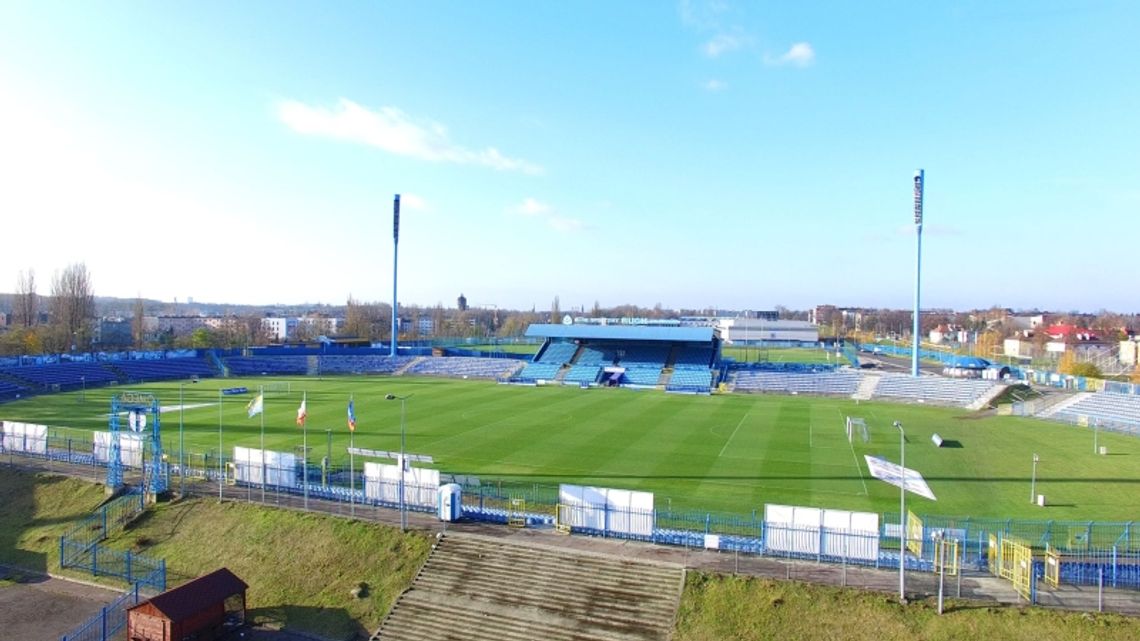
(695, 154)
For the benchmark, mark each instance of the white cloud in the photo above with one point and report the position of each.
(565, 225)
(723, 43)
(715, 85)
(394, 131)
(800, 54)
(413, 202)
(532, 208)
(701, 14)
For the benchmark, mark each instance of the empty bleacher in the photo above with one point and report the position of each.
(557, 353)
(366, 364)
(693, 357)
(465, 367)
(10, 390)
(583, 374)
(642, 376)
(268, 365)
(696, 380)
(590, 355)
(1118, 411)
(162, 370)
(932, 389)
(836, 382)
(479, 589)
(539, 371)
(64, 375)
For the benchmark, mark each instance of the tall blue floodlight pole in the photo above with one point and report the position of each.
(395, 266)
(919, 179)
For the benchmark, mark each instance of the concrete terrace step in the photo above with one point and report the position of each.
(478, 588)
(427, 615)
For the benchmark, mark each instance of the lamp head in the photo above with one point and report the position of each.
(389, 397)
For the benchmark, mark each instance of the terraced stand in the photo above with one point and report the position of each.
(480, 588)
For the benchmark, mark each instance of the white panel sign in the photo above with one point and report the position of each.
(24, 437)
(812, 531)
(607, 510)
(382, 482)
(276, 468)
(130, 448)
(891, 473)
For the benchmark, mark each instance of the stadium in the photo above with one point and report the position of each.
(629, 432)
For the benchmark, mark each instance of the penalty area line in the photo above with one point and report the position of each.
(730, 436)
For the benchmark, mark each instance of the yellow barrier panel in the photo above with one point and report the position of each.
(517, 515)
(946, 556)
(914, 533)
(560, 524)
(1052, 568)
(231, 474)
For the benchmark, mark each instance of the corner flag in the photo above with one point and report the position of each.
(351, 417)
(256, 406)
(302, 412)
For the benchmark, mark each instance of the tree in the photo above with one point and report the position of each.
(73, 303)
(138, 324)
(26, 304)
(555, 312)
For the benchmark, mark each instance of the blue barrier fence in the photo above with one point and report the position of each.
(1111, 547)
(109, 622)
(81, 546)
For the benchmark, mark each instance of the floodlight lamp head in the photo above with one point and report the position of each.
(389, 397)
(897, 424)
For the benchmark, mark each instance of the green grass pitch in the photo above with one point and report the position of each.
(725, 453)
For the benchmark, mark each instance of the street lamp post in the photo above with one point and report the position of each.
(403, 464)
(902, 513)
(1033, 479)
(181, 438)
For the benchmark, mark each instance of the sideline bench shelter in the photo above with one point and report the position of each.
(202, 609)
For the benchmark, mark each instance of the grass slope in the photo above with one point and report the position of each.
(35, 510)
(724, 608)
(300, 567)
(729, 453)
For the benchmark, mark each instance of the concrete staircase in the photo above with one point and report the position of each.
(1063, 405)
(866, 387)
(984, 400)
(483, 589)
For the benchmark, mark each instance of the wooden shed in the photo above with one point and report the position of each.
(202, 609)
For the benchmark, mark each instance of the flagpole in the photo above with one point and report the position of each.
(305, 450)
(262, 395)
(221, 472)
(351, 466)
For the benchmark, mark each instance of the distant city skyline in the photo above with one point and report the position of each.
(697, 155)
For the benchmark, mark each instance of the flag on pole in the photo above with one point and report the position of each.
(302, 412)
(351, 417)
(255, 406)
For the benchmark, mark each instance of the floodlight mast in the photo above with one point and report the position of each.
(919, 186)
(395, 266)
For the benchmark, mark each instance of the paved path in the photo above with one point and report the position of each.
(42, 608)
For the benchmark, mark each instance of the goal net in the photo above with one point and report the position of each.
(278, 387)
(857, 428)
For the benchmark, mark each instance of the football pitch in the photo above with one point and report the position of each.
(723, 453)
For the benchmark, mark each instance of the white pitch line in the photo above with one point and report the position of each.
(855, 456)
(730, 436)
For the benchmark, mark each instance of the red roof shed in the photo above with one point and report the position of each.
(201, 609)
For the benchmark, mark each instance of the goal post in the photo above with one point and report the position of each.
(857, 428)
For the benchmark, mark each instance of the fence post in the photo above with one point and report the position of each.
(162, 578)
(128, 566)
(95, 559)
(103, 623)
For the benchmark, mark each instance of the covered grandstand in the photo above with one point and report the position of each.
(677, 359)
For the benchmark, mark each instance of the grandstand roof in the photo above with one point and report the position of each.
(623, 333)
